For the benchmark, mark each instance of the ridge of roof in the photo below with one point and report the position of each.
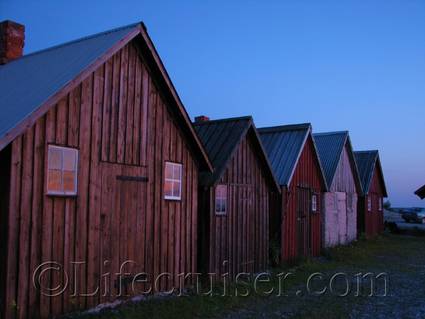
(331, 133)
(77, 40)
(367, 151)
(284, 128)
(229, 119)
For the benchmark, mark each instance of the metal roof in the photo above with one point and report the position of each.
(221, 139)
(366, 163)
(28, 82)
(330, 146)
(283, 145)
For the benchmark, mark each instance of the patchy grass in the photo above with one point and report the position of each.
(386, 253)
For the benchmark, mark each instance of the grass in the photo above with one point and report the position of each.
(361, 255)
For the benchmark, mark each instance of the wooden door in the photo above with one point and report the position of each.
(121, 229)
(244, 225)
(303, 221)
(351, 216)
(342, 217)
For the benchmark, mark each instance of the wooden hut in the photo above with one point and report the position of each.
(234, 204)
(339, 204)
(370, 215)
(296, 213)
(99, 174)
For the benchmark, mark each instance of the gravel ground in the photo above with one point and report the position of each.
(405, 293)
(401, 257)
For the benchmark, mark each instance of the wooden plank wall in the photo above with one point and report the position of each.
(307, 174)
(120, 123)
(239, 240)
(5, 157)
(344, 177)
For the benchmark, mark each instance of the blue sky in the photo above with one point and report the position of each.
(342, 65)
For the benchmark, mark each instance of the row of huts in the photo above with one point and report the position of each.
(101, 165)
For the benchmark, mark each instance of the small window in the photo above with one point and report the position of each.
(380, 204)
(221, 200)
(369, 204)
(314, 203)
(62, 171)
(173, 181)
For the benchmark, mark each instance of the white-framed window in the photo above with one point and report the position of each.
(314, 203)
(369, 203)
(173, 181)
(221, 200)
(380, 204)
(62, 171)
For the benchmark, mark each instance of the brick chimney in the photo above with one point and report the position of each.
(12, 36)
(201, 118)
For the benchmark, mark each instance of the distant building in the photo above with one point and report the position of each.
(421, 192)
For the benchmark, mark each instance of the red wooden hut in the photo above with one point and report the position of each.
(234, 204)
(99, 166)
(370, 212)
(296, 213)
(339, 203)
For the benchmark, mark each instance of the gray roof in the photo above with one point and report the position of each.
(283, 145)
(28, 82)
(366, 163)
(221, 139)
(330, 146)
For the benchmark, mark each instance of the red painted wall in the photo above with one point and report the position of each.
(372, 222)
(307, 174)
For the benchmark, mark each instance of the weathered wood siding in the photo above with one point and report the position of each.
(122, 126)
(340, 205)
(307, 175)
(344, 178)
(239, 241)
(372, 222)
(4, 214)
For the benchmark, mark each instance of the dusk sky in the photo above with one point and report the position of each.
(341, 65)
